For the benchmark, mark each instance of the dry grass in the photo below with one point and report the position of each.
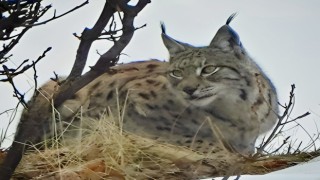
(104, 151)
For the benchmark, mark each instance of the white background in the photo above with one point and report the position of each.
(282, 36)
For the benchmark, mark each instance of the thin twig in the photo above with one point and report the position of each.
(297, 118)
(283, 120)
(59, 16)
(6, 111)
(14, 72)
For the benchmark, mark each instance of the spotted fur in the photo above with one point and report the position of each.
(181, 101)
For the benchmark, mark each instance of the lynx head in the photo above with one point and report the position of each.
(201, 74)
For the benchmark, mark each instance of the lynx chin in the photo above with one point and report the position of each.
(202, 96)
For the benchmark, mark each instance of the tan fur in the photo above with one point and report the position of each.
(233, 104)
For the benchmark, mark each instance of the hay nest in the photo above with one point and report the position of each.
(104, 151)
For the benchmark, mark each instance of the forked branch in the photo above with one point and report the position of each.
(17, 17)
(283, 120)
(106, 60)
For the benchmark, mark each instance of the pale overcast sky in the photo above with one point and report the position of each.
(282, 36)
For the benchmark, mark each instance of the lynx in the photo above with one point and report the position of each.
(182, 100)
(201, 96)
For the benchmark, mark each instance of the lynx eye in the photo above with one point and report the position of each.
(208, 70)
(176, 74)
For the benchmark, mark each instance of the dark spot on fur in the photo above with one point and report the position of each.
(171, 102)
(112, 84)
(150, 106)
(166, 107)
(153, 94)
(258, 102)
(232, 124)
(98, 95)
(123, 84)
(164, 87)
(187, 136)
(167, 128)
(238, 55)
(150, 81)
(110, 95)
(268, 113)
(243, 94)
(95, 116)
(210, 144)
(188, 141)
(122, 94)
(217, 115)
(96, 85)
(157, 84)
(132, 69)
(160, 128)
(200, 141)
(176, 116)
(269, 98)
(189, 111)
(167, 123)
(194, 121)
(152, 66)
(214, 151)
(74, 96)
(242, 129)
(162, 118)
(144, 96)
(138, 84)
(248, 82)
(178, 142)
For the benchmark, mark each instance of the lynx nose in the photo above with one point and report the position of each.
(189, 90)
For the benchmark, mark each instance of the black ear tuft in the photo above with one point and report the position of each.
(234, 35)
(171, 44)
(231, 18)
(163, 27)
(226, 38)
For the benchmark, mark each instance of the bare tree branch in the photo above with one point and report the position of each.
(6, 111)
(106, 60)
(282, 121)
(12, 72)
(88, 36)
(59, 16)
(297, 118)
(17, 17)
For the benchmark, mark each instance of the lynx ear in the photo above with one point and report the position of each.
(172, 45)
(226, 38)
